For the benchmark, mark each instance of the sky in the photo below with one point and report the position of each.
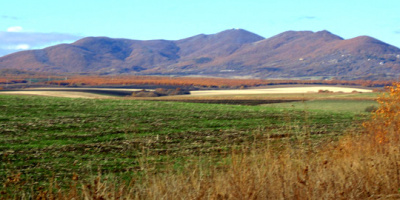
(35, 24)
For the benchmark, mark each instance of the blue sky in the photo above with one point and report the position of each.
(28, 24)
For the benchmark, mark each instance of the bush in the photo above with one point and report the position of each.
(177, 91)
(385, 122)
(144, 93)
(371, 108)
(324, 91)
(160, 92)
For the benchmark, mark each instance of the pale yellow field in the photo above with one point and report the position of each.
(77, 89)
(73, 93)
(283, 90)
(69, 94)
(76, 93)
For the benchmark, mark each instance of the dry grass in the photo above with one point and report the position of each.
(352, 168)
(362, 165)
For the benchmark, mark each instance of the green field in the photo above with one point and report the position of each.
(44, 137)
(352, 106)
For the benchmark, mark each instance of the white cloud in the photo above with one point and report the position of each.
(11, 41)
(15, 29)
(16, 47)
(22, 47)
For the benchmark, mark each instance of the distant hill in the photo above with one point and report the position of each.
(230, 53)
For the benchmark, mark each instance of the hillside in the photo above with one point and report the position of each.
(230, 53)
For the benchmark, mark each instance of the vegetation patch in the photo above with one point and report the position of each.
(160, 92)
(202, 60)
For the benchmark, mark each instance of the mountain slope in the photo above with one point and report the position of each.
(234, 52)
(220, 44)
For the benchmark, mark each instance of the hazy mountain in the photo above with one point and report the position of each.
(216, 45)
(230, 53)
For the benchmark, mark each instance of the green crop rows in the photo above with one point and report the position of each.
(43, 137)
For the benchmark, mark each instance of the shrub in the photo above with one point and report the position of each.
(160, 92)
(385, 122)
(371, 108)
(144, 93)
(324, 91)
(177, 91)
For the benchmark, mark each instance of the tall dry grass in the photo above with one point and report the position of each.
(363, 165)
(352, 168)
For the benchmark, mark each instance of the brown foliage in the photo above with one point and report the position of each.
(385, 123)
(11, 81)
(200, 82)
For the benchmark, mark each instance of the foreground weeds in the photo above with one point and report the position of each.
(361, 164)
(352, 168)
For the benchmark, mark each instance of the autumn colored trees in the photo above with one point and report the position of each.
(176, 81)
(199, 82)
(385, 122)
(11, 81)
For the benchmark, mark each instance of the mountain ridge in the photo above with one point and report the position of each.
(230, 53)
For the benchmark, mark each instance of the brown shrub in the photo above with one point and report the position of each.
(385, 122)
(324, 91)
(160, 92)
(144, 93)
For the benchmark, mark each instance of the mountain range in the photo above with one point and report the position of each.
(230, 53)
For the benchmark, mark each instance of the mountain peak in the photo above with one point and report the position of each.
(236, 30)
(367, 39)
(327, 36)
(237, 35)
(324, 32)
(218, 44)
(297, 34)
